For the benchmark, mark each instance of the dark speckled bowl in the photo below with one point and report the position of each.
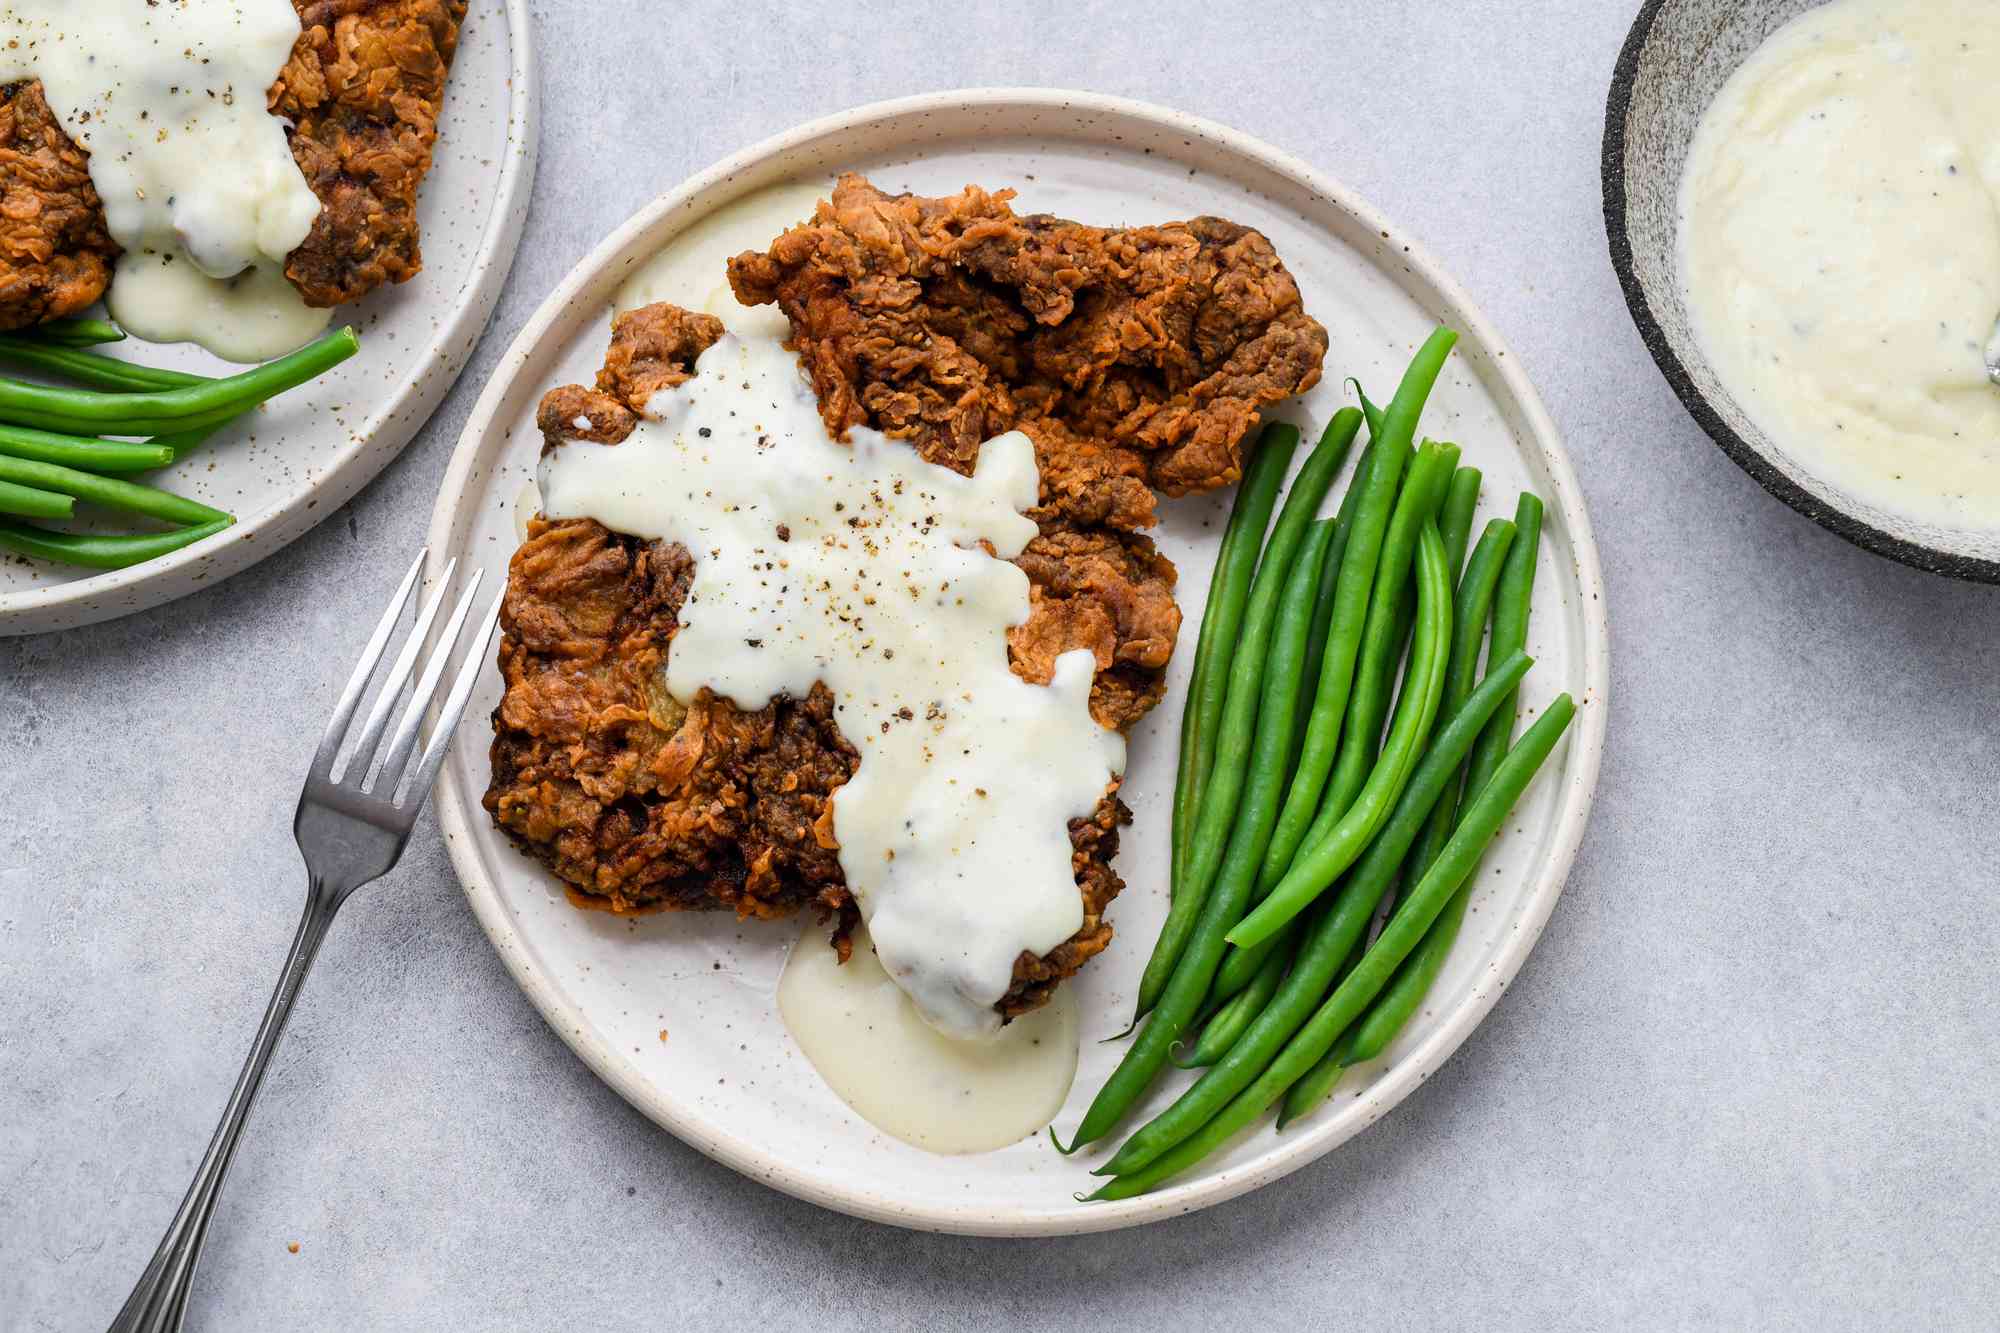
(1677, 58)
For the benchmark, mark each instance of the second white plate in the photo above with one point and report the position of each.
(305, 454)
(676, 1011)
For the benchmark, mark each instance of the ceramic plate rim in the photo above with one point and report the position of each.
(1754, 461)
(98, 597)
(1396, 1082)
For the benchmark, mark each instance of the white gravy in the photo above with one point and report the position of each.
(861, 566)
(1840, 249)
(905, 1077)
(253, 316)
(198, 183)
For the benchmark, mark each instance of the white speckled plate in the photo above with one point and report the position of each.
(676, 1011)
(305, 454)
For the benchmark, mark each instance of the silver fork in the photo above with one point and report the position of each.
(353, 821)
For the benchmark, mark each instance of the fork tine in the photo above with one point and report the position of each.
(357, 684)
(398, 677)
(454, 705)
(389, 763)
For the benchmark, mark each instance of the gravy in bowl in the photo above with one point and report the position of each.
(1839, 250)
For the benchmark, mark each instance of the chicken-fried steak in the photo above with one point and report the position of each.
(361, 90)
(637, 802)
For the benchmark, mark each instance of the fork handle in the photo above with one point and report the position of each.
(159, 1302)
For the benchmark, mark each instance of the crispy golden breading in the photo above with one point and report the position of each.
(654, 349)
(362, 91)
(638, 803)
(55, 255)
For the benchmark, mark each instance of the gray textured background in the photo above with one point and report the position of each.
(1747, 1077)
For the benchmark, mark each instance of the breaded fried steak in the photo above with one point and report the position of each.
(361, 93)
(910, 317)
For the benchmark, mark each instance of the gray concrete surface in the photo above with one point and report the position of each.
(1746, 1080)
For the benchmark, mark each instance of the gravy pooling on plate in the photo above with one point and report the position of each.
(1840, 249)
(906, 1078)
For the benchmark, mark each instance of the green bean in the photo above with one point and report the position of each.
(1277, 713)
(83, 412)
(1236, 1014)
(1290, 642)
(1318, 1082)
(107, 491)
(1371, 413)
(1376, 696)
(1451, 453)
(1379, 633)
(1469, 613)
(1482, 821)
(99, 372)
(1474, 604)
(79, 451)
(1388, 1015)
(1240, 967)
(76, 332)
(1228, 596)
(1298, 601)
(1510, 631)
(1337, 929)
(1315, 654)
(1381, 648)
(1455, 521)
(26, 500)
(1350, 504)
(1244, 685)
(1324, 599)
(1227, 592)
(98, 551)
(1406, 612)
(1356, 577)
(1352, 961)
